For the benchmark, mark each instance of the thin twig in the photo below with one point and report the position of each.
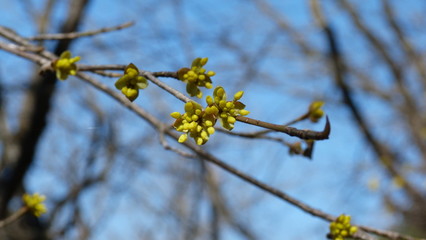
(111, 67)
(263, 132)
(166, 87)
(167, 146)
(294, 132)
(12, 218)
(14, 37)
(21, 51)
(72, 35)
(99, 69)
(250, 135)
(388, 234)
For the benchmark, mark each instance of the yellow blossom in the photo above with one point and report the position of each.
(315, 111)
(196, 77)
(195, 122)
(65, 65)
(131, 82)
(227, 110)
(35, 203)
(341, 228)
(198, 123)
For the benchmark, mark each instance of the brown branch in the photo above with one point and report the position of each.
(263, 132)
(21, 51)
(23, 43)
(118, 67)
(252, 135)
(294, 132)
(12, 218)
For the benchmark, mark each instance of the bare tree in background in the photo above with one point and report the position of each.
(108, 155)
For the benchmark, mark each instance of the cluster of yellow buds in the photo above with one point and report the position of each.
(226, 110)
(35, 203)
(199, 123)
(195, 122)
(196, 77)
(65, 65)
(315, 111)
(341, 228)
(131, 82)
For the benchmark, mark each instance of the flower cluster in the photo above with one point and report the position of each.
(65, 65)
(199, 123)
(196, 77)
(315, 111)
(131, 82)
(341, 228)
(227, 110)
(35, 203)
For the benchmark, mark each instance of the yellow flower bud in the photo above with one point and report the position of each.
(183, 138)
(204, 135)
(209, 100)
(315, 105)
(175, 115)
(208, 123)
(131, 82)
(203, 61)
(231, 119)
(210, 130)
(238, 95)
(65, 65)
(215, 110)
(199, 141)
(199, 128)
(229, 105)
(130, 93)
(193, 126)
(220, 92)
(34, 203)
(209, 85)
(244, 112)
(188, 106)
